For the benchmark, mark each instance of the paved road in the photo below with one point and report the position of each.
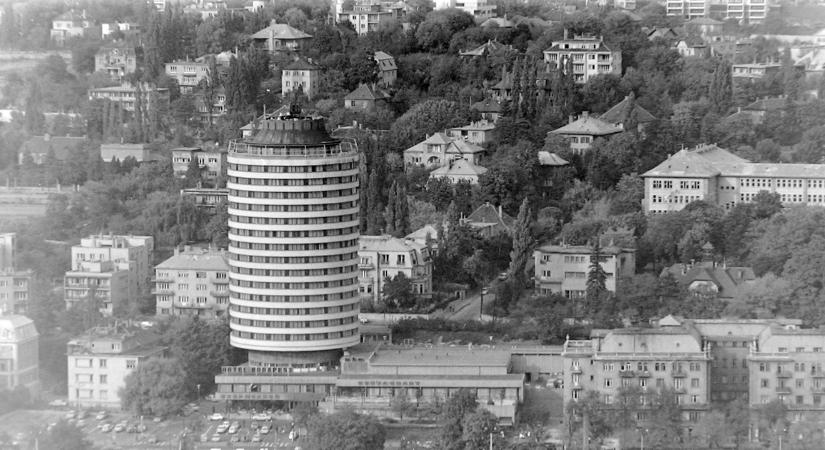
(466, 309)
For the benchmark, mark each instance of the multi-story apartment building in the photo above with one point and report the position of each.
(480, 9)
(747, 11)
(583, 131)
(14, 290)
(715, 175)
(211, 162)
(382, 258)
(293, 252)
(366, 16)
(301, 75)
(217, 109)
(689, 9)
(192, 282)
(754, 71)
(117, 60)
(14, 284)
(132, 253)
(187, 73)
(587, 57)
(18, 353)
(563, 269)
(786, 364)
(100, 360)
(670, 356)
(126, 95)
(280, 37)
(109, 285)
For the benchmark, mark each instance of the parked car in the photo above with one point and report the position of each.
(106, 427)
(265, 429)
(216, 416)
(216, 438)
(58, 402)
(119, 428)
(157, 419)
(262, 416)
(101, 415)
(71, 414)
(222, 427)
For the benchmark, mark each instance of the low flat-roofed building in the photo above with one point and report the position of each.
(141, 152)
(117, 60)
(563, 269)
(101, 359)
(192, 282)
(207, 198)
(478, 133)
(105, 283)
(19, 363)
(371, 376)
(126, 95)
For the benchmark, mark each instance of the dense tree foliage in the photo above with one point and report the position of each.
(344, 430)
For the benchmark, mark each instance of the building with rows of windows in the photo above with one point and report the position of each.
(293, 244)
(714, 175)
(703, 361)
(588, 56)
(192, 282)
(383, 257)
(100, 360)
(562, 269)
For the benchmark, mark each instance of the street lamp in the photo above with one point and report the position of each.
(481, 305)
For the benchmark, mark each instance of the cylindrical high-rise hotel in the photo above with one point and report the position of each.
(293, 244)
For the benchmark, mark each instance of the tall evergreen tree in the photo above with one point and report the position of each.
(522, 245)
(790, 77)
(402, 212)
(9, 32)
(375, 220)
(363, 194)
(720, 91)
(35, 120)
(630, 122)
(596, 277)
(390, 210)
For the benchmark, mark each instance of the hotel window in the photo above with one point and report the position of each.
(694, 399)
(608, 382)
(694, 382)
(103, 379)
(799, 383)
(764, 367)
(764, 382)
(104, 395)
(102, 363)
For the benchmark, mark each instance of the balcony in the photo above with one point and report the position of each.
(576, 369)
(219, 293)
(644, 374)
(365, 265)
(679, 374)
(577, 386)
(220, 280)
(784, 374)
(627, 373)
(783, 390)
(163, 292)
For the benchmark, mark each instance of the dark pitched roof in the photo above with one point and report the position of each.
(487, 214)
(364, 92)
(60, 144)
(301, 64)
(280, 31)
(726, 279)
(617, 113)
(487, 105)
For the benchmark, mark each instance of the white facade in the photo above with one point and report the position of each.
(689, 9)
(18, 353)
(563, 269)
(193, 282)
(384, 257)
(188, 74)
(712, 174)
(747, 11)
(480, 9)
(587, 55)
(293, 252)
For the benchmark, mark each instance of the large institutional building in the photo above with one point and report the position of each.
(293, 252)
(719, 177)
(14, 284)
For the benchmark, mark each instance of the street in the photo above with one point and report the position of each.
(468, 308)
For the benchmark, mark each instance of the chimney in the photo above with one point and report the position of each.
(585, 114)
(500, 215)
(570, 118)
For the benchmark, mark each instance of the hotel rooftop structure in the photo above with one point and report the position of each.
(715, 175)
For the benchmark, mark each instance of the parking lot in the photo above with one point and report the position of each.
(119, 429)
